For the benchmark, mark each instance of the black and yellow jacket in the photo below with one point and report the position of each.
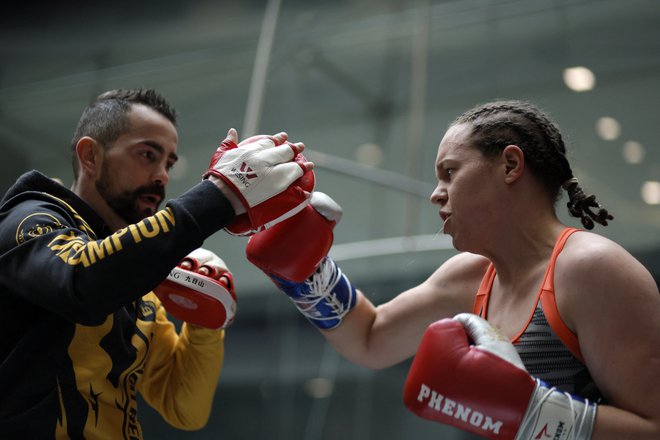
(81, 333)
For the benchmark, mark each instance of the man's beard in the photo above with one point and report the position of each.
(125, 203)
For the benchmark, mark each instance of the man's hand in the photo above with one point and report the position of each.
(265, 178)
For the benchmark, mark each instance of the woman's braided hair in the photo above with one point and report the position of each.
(498, 124)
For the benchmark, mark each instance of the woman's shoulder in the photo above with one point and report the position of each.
(590, 259)
(462, 267)
(588, 250)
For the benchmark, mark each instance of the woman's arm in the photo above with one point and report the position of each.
(612, 303)
(383, 335)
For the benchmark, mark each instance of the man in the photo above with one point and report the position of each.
(82, 331)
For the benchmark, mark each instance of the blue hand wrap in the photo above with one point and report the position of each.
(324, 298)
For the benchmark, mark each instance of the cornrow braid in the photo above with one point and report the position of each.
(500, 123)
(580, 205)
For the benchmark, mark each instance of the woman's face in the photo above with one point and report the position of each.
(468, 189)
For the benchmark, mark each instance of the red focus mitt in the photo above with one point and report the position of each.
(270, 180)
(200, 291)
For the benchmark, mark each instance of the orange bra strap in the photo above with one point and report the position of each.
(549, 303)
(549, 280)
(481, 300)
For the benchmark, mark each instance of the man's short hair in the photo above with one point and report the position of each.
(105, 118)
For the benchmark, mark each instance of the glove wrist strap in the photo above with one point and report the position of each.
(325, 298)
(557, 415)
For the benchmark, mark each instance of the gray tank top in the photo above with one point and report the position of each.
(547, 358)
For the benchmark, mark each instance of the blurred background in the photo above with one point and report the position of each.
(370, 87)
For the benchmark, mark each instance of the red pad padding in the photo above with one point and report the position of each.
(198, 299)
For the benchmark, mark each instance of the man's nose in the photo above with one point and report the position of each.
(161, 176)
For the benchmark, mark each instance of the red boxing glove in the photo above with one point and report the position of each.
(271, 183)
(293, 249)
(294, 255)
(485, 389)
(200, 293)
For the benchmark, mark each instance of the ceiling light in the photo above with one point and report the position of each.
(608, 128)
(651, 192)
(319, 387)
(633, 152)
(369, 154)
(579, 78)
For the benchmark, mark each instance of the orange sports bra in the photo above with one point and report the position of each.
(546, 296)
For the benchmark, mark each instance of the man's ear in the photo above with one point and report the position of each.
(90, 155)
(513, 159)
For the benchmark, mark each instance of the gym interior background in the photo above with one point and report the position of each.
(369, 86)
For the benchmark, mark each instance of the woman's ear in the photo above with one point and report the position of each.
(513, 158)
(90, 155)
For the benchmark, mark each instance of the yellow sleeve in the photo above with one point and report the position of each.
(182, 371)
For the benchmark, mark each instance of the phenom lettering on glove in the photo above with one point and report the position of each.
(457, 410)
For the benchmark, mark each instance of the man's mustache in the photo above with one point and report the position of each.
(154, 189)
